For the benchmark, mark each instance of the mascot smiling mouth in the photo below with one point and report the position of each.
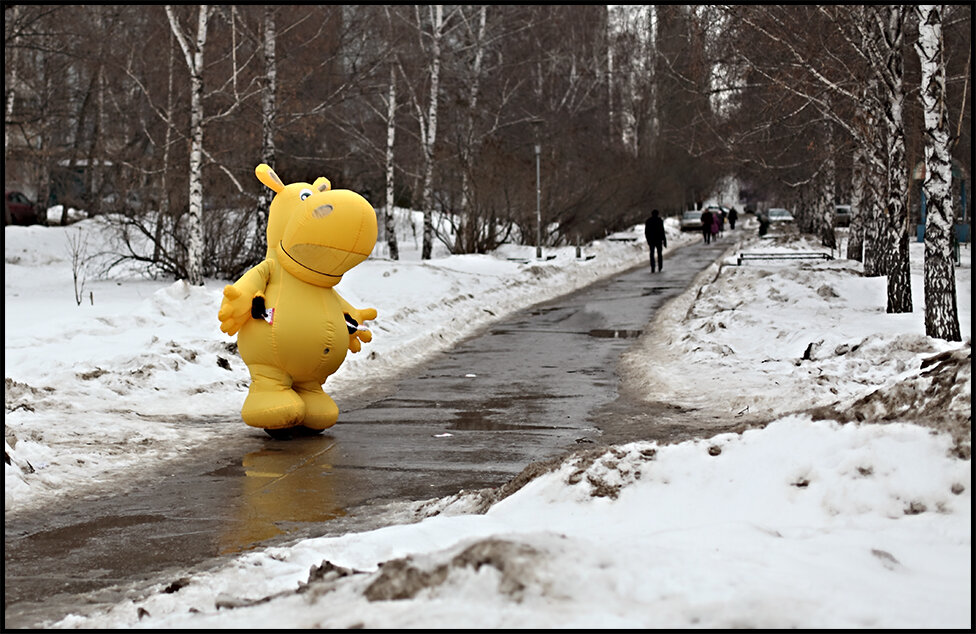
(313, 248)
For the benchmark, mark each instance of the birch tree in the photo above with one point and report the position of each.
(611, 115)
(941, 314)
(193, 53)
(825, 204)
(388, 219)
(269, 101)
(872, 144)
(891, 25)
(861, 204)
(428, 121)
(12, 87)
(389, 166)
(467, 148)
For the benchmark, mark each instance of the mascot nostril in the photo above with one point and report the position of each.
(293, 329)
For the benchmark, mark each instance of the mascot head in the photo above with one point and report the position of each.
(315, 232)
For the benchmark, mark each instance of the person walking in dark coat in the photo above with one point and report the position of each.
(763, 223)
(706, 220)
(733, 216)
(656, 239)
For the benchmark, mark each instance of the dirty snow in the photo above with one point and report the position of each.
(810, 521)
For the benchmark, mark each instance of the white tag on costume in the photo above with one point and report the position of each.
(269, 315)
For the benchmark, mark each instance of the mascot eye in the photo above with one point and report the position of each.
(305, 194)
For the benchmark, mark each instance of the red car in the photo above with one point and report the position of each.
(19, 210)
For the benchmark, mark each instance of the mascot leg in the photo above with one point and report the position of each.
(321, 412)
(271, 402)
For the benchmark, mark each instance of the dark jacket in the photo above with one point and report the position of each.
(654, 231)
(706, 219)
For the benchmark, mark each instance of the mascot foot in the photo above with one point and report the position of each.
(279, 409)
(321, 412)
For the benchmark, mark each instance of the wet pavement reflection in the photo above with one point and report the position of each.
(282, 484)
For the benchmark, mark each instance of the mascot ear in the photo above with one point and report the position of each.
(322, 184)
(267, 176)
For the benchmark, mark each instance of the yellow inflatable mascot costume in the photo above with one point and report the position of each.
(293, 329)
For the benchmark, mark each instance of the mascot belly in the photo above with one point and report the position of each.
(293, 328)
(301, 340)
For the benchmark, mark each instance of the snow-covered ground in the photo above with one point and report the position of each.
(809, 521)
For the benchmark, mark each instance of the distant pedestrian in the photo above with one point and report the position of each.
(706, 220)
(716, 223)
(656, 239)
(733, 216)
(721, 223)
(763, 224)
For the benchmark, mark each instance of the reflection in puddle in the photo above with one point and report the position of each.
(285, 482)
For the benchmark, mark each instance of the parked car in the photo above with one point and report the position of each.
(691, 220)
(20, 210)
(778, 214)
(842, 215)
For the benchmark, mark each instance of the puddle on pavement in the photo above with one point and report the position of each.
(615, 333)
(480, 421)
(600, 333)
(543, 311)
(655, 290)
(284, 484)
(78, 534)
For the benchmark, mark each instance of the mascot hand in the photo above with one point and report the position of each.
(235, 310)
(354, 317)
(365, 335)
(363, 314)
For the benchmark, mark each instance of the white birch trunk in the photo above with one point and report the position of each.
(388, 220)
(855, 233)
(941, 314)
(468, 150)
(899, 275)
(610, 113)
(429, 131)
(11, 62)
(194, 62)
(827, 188)
(269, 93)
(872, 214)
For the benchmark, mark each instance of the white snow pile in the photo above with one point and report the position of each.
(850, 509)
(774, 337)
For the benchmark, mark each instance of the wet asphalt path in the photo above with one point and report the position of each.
(534, 386)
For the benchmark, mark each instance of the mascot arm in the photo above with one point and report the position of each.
(235, 308)
(359, 315)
